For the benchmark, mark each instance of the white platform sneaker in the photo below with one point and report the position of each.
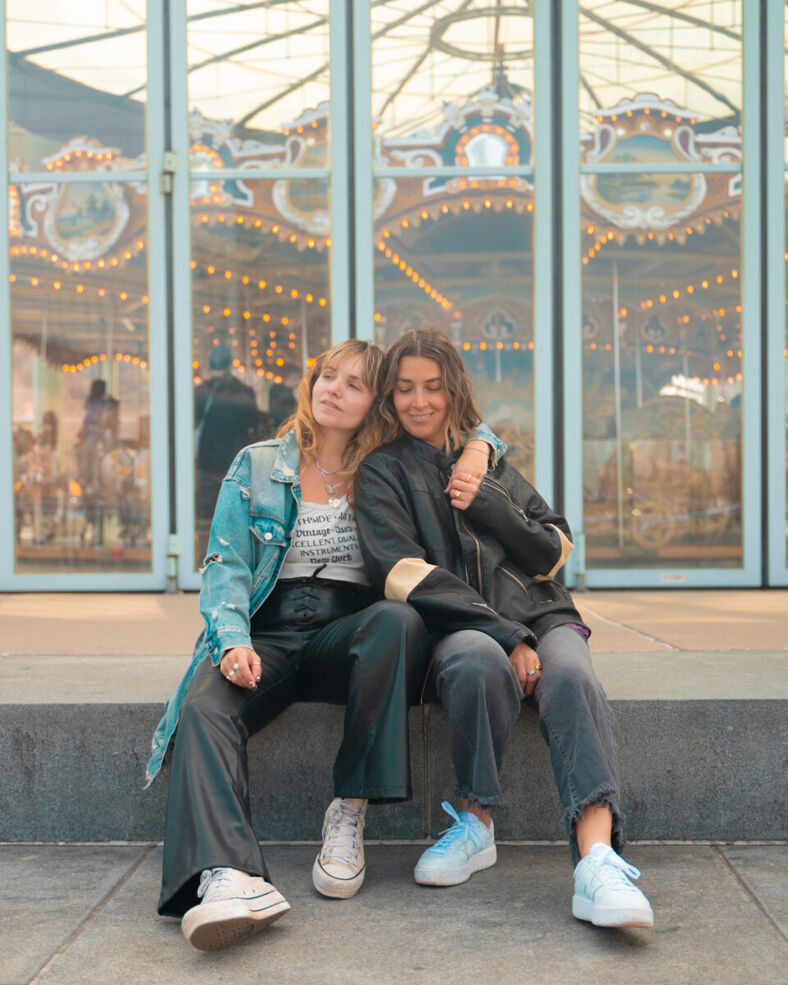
(233, 905)
(604, 895)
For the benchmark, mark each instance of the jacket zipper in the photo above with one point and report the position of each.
(505, 492)
(478, 557)
(513, 577)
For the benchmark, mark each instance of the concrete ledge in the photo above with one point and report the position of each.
(691, 769)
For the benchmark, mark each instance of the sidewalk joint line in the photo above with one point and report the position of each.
(773, 926)
(630, 629)
(89, 918)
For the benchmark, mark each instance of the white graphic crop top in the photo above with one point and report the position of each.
(323, 535)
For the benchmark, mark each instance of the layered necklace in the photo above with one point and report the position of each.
(334, 500)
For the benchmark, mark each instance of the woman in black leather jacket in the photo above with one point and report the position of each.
(476, 554)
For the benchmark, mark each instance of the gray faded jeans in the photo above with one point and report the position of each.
(471, 678)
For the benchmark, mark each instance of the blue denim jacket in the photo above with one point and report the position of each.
(250, 536)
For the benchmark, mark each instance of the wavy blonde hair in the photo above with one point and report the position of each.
(430, 343)
(370, 433)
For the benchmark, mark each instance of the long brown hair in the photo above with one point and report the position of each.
(369, 434)
(430, 343)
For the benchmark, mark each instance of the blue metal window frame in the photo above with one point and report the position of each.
(155, 579)
(750, 251)
(542, 249)
(339, 177)
(776, 169)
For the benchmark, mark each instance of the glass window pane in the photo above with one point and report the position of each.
(80, 358)
(682, 60)
(662, 391)
(77, 83)
(433, 64)
(457, 255)
(259, 82)
(260, 311)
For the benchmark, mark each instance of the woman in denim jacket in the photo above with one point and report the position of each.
(289, 615)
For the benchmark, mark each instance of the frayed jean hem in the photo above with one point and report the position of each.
(604, 796)
(494, 800)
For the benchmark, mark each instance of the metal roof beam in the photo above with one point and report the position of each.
(667, 62)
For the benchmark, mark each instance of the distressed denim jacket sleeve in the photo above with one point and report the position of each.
(228, 570)
(499, 448)
(250, 535)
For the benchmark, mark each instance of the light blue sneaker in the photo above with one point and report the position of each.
(603, 893)
(466, 847)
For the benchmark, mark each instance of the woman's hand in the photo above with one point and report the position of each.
(527, 667)
(467, 474)
(241, 666)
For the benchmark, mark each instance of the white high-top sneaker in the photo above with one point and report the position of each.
(233, 905)
(339, 868)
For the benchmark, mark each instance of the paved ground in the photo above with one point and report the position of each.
(79, 915)
(84, 914)
(622, 622)
(646, 644)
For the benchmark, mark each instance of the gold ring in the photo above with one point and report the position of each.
(538, 667)
(457, 494)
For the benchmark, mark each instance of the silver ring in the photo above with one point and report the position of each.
(231, 674)
(235, 666)
(530, 673)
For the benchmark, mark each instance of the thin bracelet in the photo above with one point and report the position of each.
(482, 451)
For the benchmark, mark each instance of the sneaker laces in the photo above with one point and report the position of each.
(211, 882)
(461, 830)
(340, 833)
(614, 869)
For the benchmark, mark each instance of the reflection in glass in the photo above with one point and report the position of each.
(662, 350)
(77, 75)
(430, 61)
(457, 255)
(260, 311)
(689, 54)
(259, 72)
(80, 393)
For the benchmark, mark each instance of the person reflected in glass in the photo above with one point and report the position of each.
(225, 419)
(97, 437)
(475, 552)
(282, 397)
(51, 476)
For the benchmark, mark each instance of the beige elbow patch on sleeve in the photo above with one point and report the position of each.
(566, 549)
(405, 576)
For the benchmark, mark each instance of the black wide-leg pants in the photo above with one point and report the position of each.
(318, 640)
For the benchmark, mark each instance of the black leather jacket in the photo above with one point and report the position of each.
(489, 568)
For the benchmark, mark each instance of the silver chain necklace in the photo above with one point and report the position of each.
(333, 497)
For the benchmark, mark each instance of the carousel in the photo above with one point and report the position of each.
(661, 307)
